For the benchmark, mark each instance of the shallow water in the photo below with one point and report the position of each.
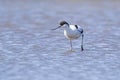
(29, 50)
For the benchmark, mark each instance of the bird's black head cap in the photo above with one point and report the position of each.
(63, 22)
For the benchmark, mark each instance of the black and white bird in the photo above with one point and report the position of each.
(72, 32)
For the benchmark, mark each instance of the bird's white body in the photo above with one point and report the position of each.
(72, 32)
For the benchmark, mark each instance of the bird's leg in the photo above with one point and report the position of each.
(82, 43)
(71, 45)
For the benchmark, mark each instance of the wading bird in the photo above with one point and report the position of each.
(72, 32)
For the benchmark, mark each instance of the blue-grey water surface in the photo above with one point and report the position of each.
(30, 50)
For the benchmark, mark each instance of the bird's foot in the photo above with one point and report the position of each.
(71, 50)
(82, 49)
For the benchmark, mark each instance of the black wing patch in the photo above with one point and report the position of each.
(81, 31)
(76, 26)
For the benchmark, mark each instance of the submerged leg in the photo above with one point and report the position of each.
(82, 43)
(71, 45)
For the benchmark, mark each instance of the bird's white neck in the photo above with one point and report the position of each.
(66, 27)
